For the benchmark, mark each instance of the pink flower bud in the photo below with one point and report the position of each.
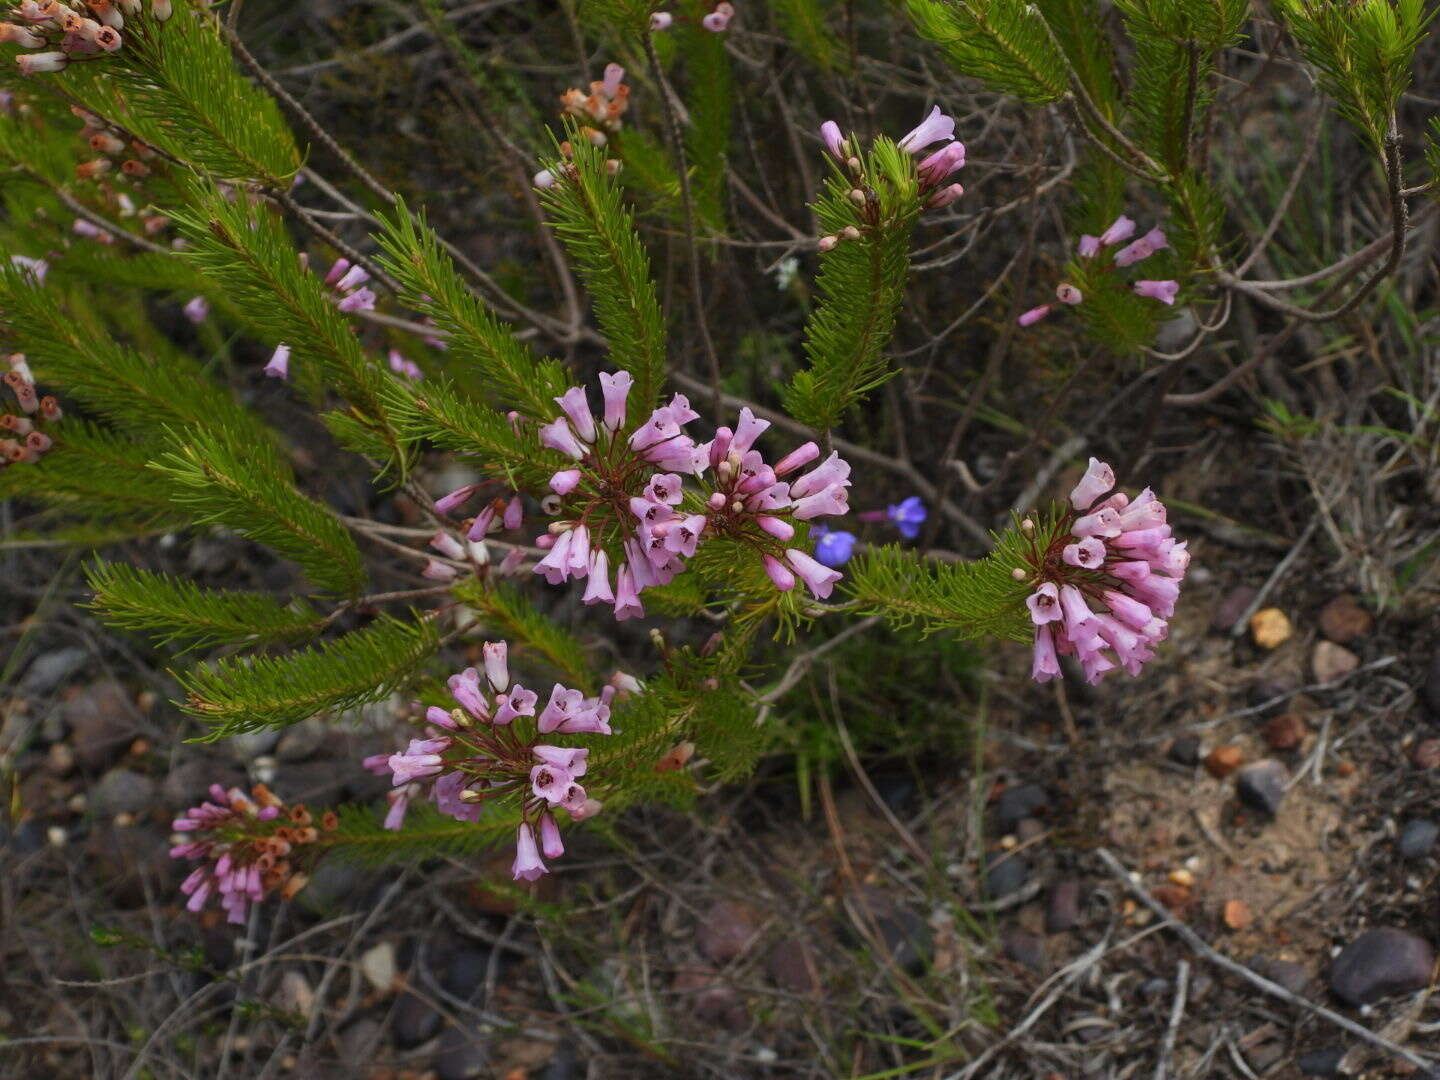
(1034, 315)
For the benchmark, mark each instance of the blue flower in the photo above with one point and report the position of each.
(833, 548)
(908, 516)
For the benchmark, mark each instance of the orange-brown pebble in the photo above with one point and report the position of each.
(1224, 760)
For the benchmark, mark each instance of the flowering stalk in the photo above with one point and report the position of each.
(1106, 579)
(493, 746)
(1097, 248)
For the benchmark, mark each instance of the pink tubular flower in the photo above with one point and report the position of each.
(1120, 230)
(36, 63)
(1046, 665)
(1088, 554)
(1044, 604)
(661, 20)
(719, 19)
(935, 169)
(818, 578)
(615, 388)
(937, 127)
(279, 365)
(781, 578)
(197, 310)
(565, 481)
(1098, 479)
(1034, 315)
(577, 411)
(527, 865)
(1143, 248)
(1068, 294)
(19, 35)
(944, 197)
(1164, 291)
(449, 503)
(834, 140)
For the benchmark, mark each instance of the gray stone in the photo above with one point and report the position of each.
(48, 670)
(249, 745)
(466, 970)
(1261, 785)
(1430, 691)
(1287, 973)
(188, 784)
(1062, 906)
(729, 928)
(1185, 750)
(103, 723)
(1323, 1062)
(792, 967)
(462, 1054)
(1004, 874)
(1379, 963)
(1025, 949)
(123, 791)
(564, 1065)
(1017, 803)
(909, 939)
(1417, 837)
(315, 783)
(413, 1021)
(300, 741)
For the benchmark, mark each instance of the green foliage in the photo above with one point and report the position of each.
(1175, 46)
(1004, 43)
(435, 411)
(221, 483)
(598, 230)
(361, 838)
(1362, 52)
(478, 340)
(807, 30)
(178, 611)
(1079, 28)
(246, 253)
(1112, 312)
(518, 621)
(250, 693)
(175, 86)
(101, 476)
(861, 285)
(971, 600)
(68, 344)
(709, 101)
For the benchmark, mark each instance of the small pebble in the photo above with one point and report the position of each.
(1231, 607)
(1005, 875)
(1284, 732)
(1323, 1062)
(1343, 620)
(1379, 963)
(1182, 877)
(1261, 786)
(1270, 628)
(1287, 973)
(1330, 661)
(1430, 691)
(1425, 754)
(1417, 838)
(1017, 803)
(1062, 906)
(1025, 949)
(378, 964)
(730, 927)
(1185, 750)
(1224, 760)
(1237, 914)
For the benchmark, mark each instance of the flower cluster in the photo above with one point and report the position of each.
(601, 110)
(1091, 247)
(623, 503)
(1116, 553)
(247, 846)
(22, 437)
(111, 146)
(933, 169)
(478, 752)
(66, 33)
(346, 282)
